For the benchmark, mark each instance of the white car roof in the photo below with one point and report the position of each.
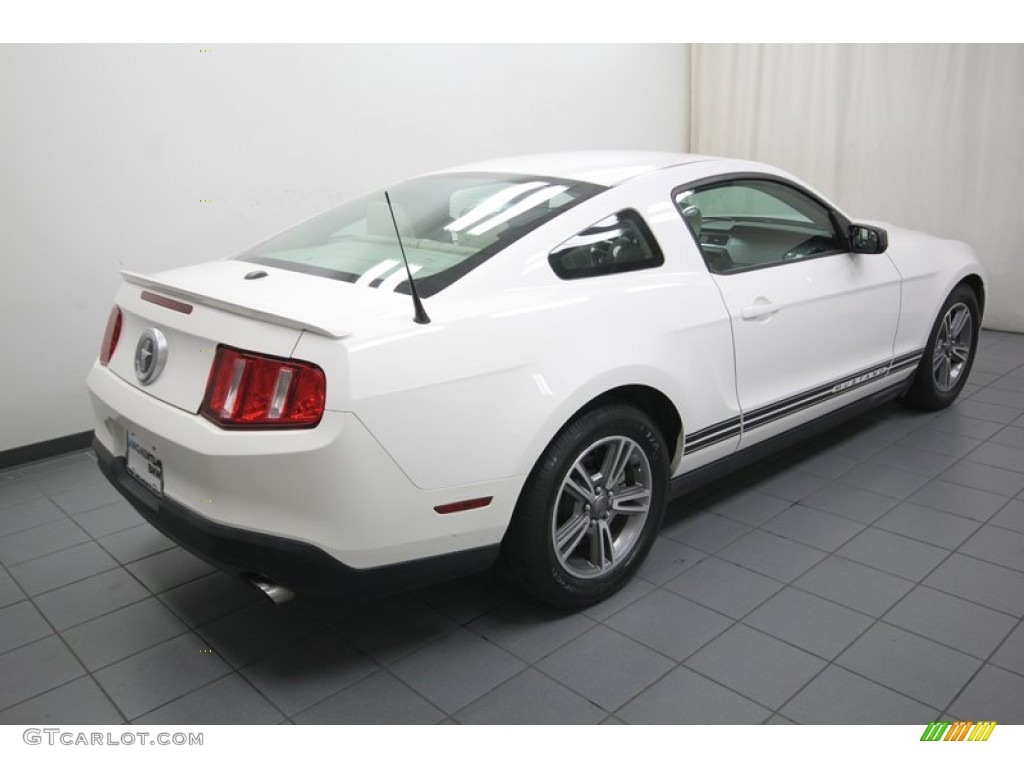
(607, 168)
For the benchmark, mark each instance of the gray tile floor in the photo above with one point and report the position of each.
(874, 575)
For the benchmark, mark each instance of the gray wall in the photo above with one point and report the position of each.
(106, 152)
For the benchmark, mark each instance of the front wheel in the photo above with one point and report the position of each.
(949, 354)
(591, 508)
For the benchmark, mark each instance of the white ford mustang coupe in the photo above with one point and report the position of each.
(522, 359)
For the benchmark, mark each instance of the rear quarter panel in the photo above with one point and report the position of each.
(514, 352)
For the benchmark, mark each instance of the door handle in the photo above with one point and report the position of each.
(761, 308)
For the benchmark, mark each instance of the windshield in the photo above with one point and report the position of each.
(450, 224)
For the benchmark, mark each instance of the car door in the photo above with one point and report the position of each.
(813, 324)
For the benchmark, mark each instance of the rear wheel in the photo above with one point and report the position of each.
(949, 354)
(591, 508)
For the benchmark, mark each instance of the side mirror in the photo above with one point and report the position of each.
(865, 239)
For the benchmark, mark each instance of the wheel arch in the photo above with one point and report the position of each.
(651, 401)
(976, 284)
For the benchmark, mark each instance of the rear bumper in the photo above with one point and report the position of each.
(297, 565)
(332, 487)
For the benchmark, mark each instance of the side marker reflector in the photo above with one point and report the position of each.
(462, 506)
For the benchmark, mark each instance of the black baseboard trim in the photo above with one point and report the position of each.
(45, 449)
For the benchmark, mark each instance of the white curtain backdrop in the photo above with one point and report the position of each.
(929, 137)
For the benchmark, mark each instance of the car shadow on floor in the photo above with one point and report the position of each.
(431, 652)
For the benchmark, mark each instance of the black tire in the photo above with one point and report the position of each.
(946, 364)
(572, 541)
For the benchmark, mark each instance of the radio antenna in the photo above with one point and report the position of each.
(420, 315)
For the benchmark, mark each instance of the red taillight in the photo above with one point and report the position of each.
(111, 336)
(250, 390)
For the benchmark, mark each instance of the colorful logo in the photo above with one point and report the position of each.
(961, 730)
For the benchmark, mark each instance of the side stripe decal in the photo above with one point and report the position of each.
(716, 433)
(759, 417)
(906, 361)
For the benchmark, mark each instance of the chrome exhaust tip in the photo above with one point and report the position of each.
(277, 593)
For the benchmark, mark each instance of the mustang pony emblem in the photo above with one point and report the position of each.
(150, 355)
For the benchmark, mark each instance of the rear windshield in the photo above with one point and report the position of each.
(450, 224)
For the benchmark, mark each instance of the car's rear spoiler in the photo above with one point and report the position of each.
(288, 321)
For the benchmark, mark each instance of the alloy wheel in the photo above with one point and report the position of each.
(952, 347)
(601, 507)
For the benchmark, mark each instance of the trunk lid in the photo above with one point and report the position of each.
(214, 304)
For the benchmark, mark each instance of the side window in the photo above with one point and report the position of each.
(747, 224)
(620, 243)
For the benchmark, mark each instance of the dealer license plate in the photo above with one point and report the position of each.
(144, 466)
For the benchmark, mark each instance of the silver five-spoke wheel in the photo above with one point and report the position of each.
(601, 507)
(591, 508)
(952, 347)
(948, 353)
